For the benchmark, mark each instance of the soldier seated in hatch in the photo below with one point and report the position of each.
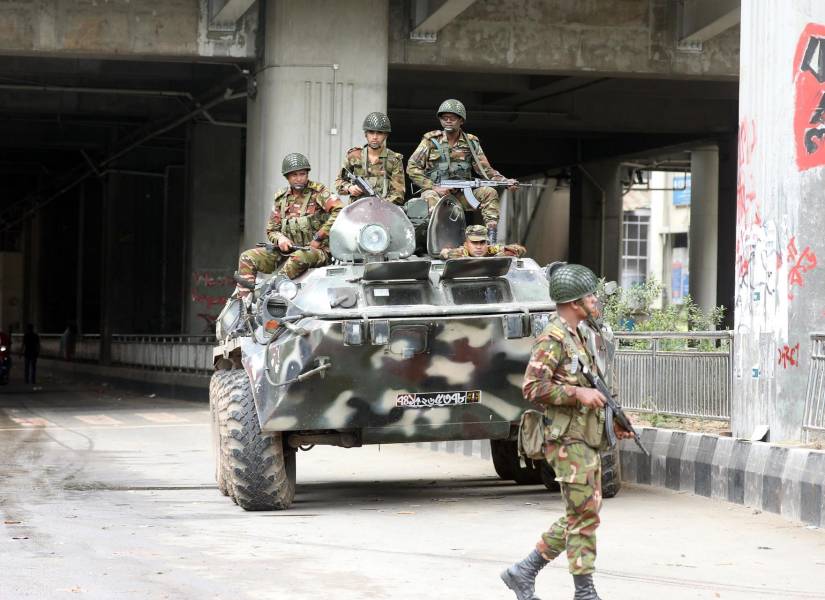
(381, 167)
(302, 215)
(476, 243)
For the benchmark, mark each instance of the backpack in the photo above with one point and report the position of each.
(531, 436)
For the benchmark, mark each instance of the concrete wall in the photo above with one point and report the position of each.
(779, 219)
(213, 223)
(559, 36)
(172, 28)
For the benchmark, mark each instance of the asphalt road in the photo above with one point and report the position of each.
(109, 495)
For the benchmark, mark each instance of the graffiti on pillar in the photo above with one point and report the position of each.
(809, 111)
(210, 288)
(789, 356)
(800, 263)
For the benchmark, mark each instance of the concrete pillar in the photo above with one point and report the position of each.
(596, 218)
(213, 223)
(704, 225)
(312, 94)
(779, 219)
(81, 237)
(108, 219)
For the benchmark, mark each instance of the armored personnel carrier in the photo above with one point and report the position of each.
(380, 347)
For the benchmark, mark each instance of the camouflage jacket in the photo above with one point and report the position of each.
(385, 176)
(301, 217)
(492, 250)
(555, 366)
(434, 159)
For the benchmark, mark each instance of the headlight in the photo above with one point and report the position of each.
(287, 289)
(2, 348)
(373, 239)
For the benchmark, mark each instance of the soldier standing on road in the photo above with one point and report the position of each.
(574, 435)
(476, 243)
(302, 215)
(450, 153)
(384, 168)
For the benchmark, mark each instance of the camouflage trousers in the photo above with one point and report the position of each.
(578, 470)
(487, 198)
(261, 260)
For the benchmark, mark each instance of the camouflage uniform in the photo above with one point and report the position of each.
(492, 250)
(385, 176)
(574, 434)
(434, 159)
(300, 218)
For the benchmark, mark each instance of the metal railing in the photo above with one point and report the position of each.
(813, 421)
(179, 353)
(684, 374)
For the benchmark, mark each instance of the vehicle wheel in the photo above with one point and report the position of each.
(548, 477)
(262, 471)
(502, 458)
(611, 473)
(507, 465)
(218, 394)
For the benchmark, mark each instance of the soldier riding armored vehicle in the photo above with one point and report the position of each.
(450, 338)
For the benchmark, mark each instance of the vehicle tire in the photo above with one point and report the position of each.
(548, 477)
(611, 473)
(262, 471)
(218, 395)
(507, 465)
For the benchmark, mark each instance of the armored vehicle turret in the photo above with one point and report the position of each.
(381, 346)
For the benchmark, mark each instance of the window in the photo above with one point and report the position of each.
(634, 247)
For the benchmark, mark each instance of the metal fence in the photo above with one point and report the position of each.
(813, 423)
(181, 353)
(684, 374)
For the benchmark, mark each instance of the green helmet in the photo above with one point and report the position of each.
(377, 121)
(571, 282)
(294, 161)
(452, 106)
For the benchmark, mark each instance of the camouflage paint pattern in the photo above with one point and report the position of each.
(492, 250)
(389, 168)
(258, 260)
(579, 472)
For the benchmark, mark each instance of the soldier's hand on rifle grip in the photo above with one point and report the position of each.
(621, 432)
(589, 397)
(441, 191)
(513, 185)
(284, 243)
(355, 191)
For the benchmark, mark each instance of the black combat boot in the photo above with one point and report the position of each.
(521, 577)
(584, 588)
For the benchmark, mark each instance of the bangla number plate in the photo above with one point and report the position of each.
(436, 399)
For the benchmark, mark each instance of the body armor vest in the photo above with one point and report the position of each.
(446, 168)
(302, 228)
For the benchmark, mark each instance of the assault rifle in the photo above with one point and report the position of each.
(361, 183)
(613, 411)
(269, 247)
(468, 185)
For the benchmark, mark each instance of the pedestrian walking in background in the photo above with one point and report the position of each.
(31, 350)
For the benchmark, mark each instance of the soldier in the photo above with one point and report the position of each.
(476, 243)
(385, 168)
(450, 153)
(575, 413)
(302, 215)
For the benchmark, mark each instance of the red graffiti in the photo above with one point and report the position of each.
(809, 111)
(801, 264)
(789, 356)
(206, 279)
(745, 194)
(209, 301)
